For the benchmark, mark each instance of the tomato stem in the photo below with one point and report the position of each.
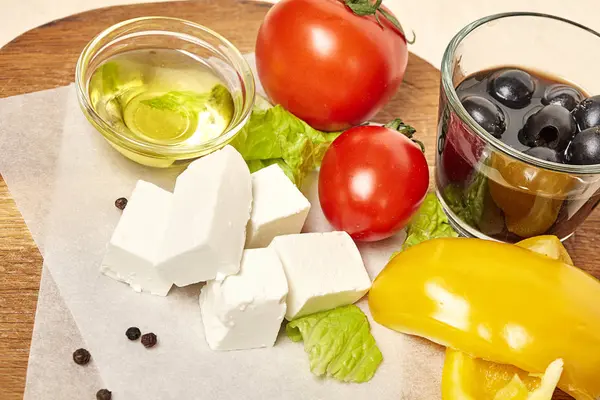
(366, 7)
(407, 130)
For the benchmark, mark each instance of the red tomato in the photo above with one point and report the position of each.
(326, 65)
(372, 180)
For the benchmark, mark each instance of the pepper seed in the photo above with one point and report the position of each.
(133, 333)
(104, 394)
(121, 203)
(149, 340)
(81, 356)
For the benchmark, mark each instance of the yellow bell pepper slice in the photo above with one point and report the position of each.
(530, 197)
(499, 302)
(540, 217)
(468, 378)
(548, 245)
(516, 389)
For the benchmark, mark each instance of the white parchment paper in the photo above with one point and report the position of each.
(51, 374)
(65, 178)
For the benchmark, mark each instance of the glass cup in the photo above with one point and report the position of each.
(488, 189)
(209, 47)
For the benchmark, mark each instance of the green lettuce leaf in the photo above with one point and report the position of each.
(274, 135)
(339, 344)
(183, 102)
(115, 79)
(221, 99)
(429, 222)
(189, 102)
(255, 165)
(468, 203)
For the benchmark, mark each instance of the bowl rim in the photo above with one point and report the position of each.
(145, 148)
(456, 106)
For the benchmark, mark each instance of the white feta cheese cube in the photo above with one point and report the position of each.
(132, 252)
(245, 310)
(278, 207)
(207, 226)
(324, 271)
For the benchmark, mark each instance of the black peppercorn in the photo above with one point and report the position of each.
(133, 333)
(81, 356)
(121, 203)
(103, 394)
(149, 340)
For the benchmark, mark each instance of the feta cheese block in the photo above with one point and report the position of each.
(245, 311)
(278, 207)
(323, 270)
(132, 252)
(207, 227)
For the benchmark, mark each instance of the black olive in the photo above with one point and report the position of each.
(587, 113)
(585, 147)
(562, 95)
(488, 115)
(512, 87)
(544, 153)
(552, 127)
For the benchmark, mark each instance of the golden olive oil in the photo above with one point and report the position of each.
(161, 96)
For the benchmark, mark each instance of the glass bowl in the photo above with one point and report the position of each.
(488, 189)
(149, 33)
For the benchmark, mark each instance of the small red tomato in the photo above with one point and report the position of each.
(372, 180)
(327, 65)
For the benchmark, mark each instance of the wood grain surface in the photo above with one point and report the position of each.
(45, 57)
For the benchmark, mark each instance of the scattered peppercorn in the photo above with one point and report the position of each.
(149, 340)
(133, 333)
(103, 394)
(121, 203)
(81, 356)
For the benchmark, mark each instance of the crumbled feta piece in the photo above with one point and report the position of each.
(207, 226)
(131, 254)
(324, 271)
(278, 207)
(245, 310)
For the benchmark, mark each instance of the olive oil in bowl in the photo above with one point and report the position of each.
(165, 97)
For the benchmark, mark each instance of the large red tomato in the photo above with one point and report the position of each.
(372, 180)
(326, 65)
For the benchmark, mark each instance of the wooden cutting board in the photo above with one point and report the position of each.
(45, 57)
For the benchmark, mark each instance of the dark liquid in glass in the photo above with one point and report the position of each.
(500, 196)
